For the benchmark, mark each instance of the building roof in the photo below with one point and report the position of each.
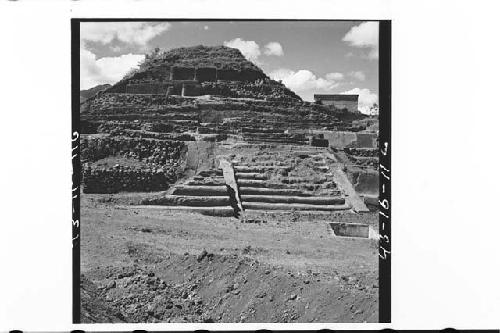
(336, 97)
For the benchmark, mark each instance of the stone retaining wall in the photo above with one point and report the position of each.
(158, 136)
(191, 89)
(154, 151)
(182, 73)
(361, 152)
(257, 90)
(203, 74)
(339, 139)
(113, 180)
(147, 88)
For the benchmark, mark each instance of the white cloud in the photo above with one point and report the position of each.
(139, 33)
(335, 76)
(252, 51)
(249, 48)
(366, 98)
(302, 79)
(304, 82)
(95, 71)
(373, 54)
(358, 75)
(273, 48)
(364, 35)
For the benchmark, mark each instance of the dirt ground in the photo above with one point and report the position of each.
(159, 265)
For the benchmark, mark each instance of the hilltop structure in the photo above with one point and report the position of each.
(161, 115)
(202, 70)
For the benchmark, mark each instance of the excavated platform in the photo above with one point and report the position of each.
(287, 177)
(267, 178)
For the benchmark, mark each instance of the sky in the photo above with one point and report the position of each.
(310, 57)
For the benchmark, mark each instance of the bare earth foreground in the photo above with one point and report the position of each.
(159, 265)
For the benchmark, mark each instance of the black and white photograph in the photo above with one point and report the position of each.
(229, 171)
(232, 165)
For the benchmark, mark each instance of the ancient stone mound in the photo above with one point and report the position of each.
(140, 128)
(200, 70)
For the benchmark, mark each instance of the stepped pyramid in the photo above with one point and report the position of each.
(279, 171)
(203, 65)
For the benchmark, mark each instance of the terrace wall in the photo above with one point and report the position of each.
(228, 75)
(147, 88)
(189, 89)
(339, 139)
(182, 73)
(203, 74)
(155, 151)
(113, 180)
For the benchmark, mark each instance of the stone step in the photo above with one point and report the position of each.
(273, 184)
(300, 180)
(192, 201)
(273, 191)
(260, 130)
(316, 200)
(307, 153)
(282, 206)
(210, 173)
(298, 215)
(206, 182)
(251, 175)
(281, 191)
(200, 190)
(266, 161)
(257, 183)
(270, 133)
(210, 211)
(257, 168)
(272, 138)
(283, 141)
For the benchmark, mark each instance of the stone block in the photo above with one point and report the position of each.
(182, 73)
(343, 229)
(203, 74)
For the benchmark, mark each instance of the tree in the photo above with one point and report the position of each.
(374, 109)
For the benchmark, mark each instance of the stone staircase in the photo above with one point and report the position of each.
(295, 179)
(206, 192)
(267, 184)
